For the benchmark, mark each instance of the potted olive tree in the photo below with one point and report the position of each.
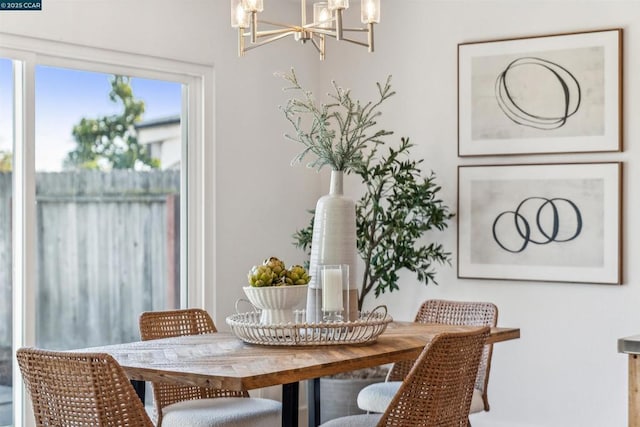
(398, 207)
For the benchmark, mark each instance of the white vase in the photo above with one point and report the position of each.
(333, 242)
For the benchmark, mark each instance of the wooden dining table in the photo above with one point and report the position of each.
(222, 360)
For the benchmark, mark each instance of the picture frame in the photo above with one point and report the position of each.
(539, 95)
(559, 222)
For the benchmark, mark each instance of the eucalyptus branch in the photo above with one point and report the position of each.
(340, 132)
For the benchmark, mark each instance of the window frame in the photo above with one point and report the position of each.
(197, 171)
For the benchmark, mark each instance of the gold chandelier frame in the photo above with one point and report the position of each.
(327, 22)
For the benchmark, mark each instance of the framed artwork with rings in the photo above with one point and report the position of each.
(545, 94)
(541, 222)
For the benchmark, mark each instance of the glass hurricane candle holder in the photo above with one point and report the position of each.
(334, 282)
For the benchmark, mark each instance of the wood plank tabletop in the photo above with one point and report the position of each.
(221, 360)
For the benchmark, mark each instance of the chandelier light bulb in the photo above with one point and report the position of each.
(370, 11)
(321, 15)
(239, 17)
(253, 5)
(338, 4)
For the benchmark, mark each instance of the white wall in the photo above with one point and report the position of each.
(564, 371)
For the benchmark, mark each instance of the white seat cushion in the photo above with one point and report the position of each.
(365, 420)
(223, 411)
(376, 397)
(477, 404)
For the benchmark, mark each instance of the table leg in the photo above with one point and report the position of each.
(139, 387)
(313, 402)
(290, 393)
(634, 390)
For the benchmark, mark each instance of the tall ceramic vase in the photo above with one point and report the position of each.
(333, 242)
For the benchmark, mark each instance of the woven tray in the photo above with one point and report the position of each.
(366, 329)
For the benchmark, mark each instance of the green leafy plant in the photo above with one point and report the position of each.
(398, 207)
(340, 132)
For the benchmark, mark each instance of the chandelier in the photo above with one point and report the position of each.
(327, 22)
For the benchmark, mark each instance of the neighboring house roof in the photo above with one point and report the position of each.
(161, 121)
(163, 138)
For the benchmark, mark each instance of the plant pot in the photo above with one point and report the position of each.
(339, 395)
(276, 302)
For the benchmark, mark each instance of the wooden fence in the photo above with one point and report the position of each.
(107, 249)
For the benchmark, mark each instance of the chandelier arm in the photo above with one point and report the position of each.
(254, 27)
(307, 26)
(330, 34)
(321, 31)
(360, 30)
(332, 31)
(319, 45)
(315, 24)
(266, 33)
(316, 45)
(270, 40)
(339, 28)
(277, 24)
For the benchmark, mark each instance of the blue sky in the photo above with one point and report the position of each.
(64, 96)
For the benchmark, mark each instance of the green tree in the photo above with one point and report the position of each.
(6, 161)
(111, 142)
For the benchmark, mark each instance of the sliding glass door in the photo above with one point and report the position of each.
(103, 204)
(6, 323)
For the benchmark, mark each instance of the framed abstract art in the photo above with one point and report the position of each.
(545, 94)
(543, 222)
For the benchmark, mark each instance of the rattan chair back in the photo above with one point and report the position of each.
(437, 390)
(456, 313)
(173, 323)
(79, 389)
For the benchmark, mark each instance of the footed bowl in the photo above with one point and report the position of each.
(276, 302)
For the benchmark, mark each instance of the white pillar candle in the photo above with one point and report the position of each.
(332, 289)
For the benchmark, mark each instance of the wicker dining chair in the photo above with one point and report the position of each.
(180, 405)
(376, 397)
(79, 389)
(438, 389)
